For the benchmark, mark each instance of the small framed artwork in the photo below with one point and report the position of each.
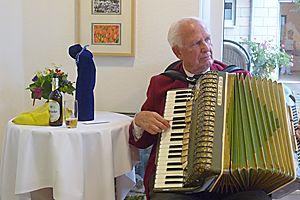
(109, 7)
(106, 34)
(107, 26)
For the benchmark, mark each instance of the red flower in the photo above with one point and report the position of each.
(37, 94)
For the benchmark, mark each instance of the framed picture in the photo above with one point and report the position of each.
(107, 26)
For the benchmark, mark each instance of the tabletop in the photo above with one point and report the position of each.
(78, 163)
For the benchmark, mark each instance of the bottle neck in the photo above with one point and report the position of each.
(55, 84)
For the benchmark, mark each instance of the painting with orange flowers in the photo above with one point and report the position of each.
(107, 26)
(106, 34)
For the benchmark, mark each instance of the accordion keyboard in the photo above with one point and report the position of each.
(169, 173)
(295, 123)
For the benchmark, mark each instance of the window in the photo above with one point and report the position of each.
(283, 20)
(229, 13)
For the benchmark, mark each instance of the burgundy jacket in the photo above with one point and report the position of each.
(156, 96)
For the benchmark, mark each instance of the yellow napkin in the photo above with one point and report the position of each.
(39, 116)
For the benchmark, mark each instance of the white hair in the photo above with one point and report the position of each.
(174, 34)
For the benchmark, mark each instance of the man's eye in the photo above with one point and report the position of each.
(197, 43)
(207, 40)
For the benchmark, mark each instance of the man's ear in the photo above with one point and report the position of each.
(177, 52)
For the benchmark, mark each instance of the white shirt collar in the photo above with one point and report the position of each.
(189, 74)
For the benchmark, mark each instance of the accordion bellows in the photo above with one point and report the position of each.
(237, 137)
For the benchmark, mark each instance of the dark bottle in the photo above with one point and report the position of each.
(55, 104)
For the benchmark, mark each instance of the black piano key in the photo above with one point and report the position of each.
(174, 169)
(173, 182)
(176, 134)
(178, 127)
(175, 139)
(178, 111)
(178, 118)
(175, 146)
(174, 156)
(175, 151)
(179, 107)
(180, 96)
(174, 163)
(173, 176)
(178, 122)
(180, 100)
(183, 92)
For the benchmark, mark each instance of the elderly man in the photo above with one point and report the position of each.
(191, 43)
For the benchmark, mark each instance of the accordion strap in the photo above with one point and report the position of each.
(176, 75)
(232, 68)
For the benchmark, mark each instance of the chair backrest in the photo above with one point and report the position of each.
(236, 54)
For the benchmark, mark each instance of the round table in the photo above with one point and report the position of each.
(79, 164)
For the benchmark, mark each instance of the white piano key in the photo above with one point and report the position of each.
(173, 162)
(162, 181)
(165, 160)
(159, 176)
(168, 185)
(163, 166)
(173, 143)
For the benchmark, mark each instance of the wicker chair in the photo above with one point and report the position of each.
(236, 54)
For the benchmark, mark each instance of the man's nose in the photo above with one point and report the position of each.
(204, 46)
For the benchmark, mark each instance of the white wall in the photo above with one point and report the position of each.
(48, 31)
(265, 21)
(35, 34)
(242, 26)
(130, 76)
(11, 61)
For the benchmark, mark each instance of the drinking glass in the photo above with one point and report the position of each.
(71, 113)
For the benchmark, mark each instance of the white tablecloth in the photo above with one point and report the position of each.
(79, 163)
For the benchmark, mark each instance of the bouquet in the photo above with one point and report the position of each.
(266, 56)
(42, 83)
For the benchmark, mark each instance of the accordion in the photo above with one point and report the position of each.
(229, 134)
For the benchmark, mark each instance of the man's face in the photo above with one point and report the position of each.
(196, 48)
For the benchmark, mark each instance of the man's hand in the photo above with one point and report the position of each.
(151, 122)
